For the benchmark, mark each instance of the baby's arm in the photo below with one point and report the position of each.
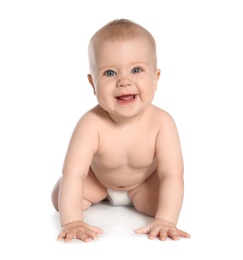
(82, 146)
(170, 171)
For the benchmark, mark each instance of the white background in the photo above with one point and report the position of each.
(44, 90)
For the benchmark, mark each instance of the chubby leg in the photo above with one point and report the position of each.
(145, 196)
(94, 191)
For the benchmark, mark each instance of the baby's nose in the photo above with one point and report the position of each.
(123, 82)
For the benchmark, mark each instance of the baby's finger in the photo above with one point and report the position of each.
(96, 230)
(162, 234)
(69, 236)
(183, 234)
(154, 233)
(173, 234)
(83, 236)
(142, 230)
(91, 234)
(61, 236)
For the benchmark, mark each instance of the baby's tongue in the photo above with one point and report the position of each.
(126, 98)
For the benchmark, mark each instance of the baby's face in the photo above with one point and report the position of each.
(124, 76)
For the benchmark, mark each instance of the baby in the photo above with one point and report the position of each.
(125, 148)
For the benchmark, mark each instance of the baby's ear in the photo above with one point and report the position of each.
(91, 82)
(157, 76)
(158, 72)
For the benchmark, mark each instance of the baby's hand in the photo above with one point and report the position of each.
(79, 230)
(162, 229)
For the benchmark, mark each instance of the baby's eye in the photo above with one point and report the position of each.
(110, 73)
(136, 70)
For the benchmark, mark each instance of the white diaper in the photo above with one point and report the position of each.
(119, 197)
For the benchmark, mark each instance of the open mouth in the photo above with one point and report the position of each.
(126, 98)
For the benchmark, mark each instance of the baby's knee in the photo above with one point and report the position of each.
(54, 199)
(54, 195)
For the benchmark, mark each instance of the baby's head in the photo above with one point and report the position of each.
(123, 69)
(120, 30)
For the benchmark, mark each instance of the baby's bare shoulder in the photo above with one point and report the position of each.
(86, 131)
(92, 117)
(160, 116)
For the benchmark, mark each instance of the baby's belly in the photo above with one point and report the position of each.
(123, 178)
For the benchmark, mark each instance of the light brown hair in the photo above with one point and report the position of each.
(121, 29)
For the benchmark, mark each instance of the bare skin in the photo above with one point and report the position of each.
(124, 143)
